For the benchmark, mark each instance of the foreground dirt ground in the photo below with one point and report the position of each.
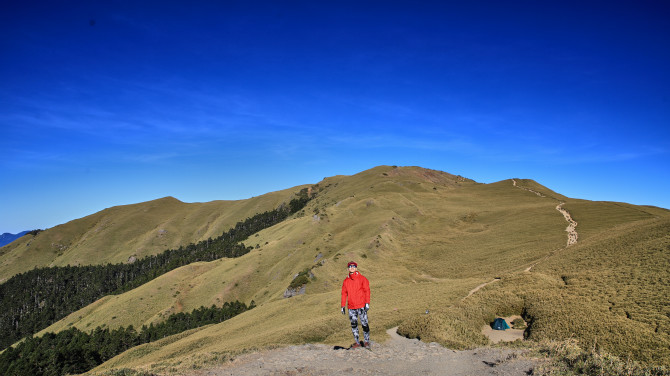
(398, 356)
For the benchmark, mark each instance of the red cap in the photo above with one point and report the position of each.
(352, 263)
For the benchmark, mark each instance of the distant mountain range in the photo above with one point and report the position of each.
(7, 238)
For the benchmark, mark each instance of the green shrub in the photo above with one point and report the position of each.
(301, 279)
(518, 323)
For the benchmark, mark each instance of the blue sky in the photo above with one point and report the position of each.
(119, 102)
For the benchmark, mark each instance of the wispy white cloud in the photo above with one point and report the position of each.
(607, 157)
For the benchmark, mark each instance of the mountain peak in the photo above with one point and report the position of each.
(167, 199)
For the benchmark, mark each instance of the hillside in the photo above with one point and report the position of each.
(120, 233)
(424, 239)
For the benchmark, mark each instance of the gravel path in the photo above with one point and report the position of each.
(398, 356)
(572, 224)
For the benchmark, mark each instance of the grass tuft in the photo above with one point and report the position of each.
(568, 359)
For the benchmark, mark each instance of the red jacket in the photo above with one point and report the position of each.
(357, 289)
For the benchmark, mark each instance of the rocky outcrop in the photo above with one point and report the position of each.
(291, 292)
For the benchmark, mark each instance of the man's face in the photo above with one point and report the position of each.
(352, 268)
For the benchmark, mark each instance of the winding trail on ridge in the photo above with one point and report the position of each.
(571, 229)
(572, 225)
(527, 189)
(479, 287)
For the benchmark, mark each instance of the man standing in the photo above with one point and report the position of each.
(356, 288)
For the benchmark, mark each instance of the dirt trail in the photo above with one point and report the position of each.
(571, 229)
(572, 224)
(527, 189)
(480, 286)
(396, 356)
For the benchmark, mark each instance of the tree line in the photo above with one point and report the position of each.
(73, 351)
(33, 300)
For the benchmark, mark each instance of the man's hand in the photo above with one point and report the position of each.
(343, 310)
(367, 306)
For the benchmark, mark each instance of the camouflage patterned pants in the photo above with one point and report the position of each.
(354, 315)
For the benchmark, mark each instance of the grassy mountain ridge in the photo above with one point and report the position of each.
(424, 239)
(116, 234)
(37, 298)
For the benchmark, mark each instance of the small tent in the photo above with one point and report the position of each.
(500, 324)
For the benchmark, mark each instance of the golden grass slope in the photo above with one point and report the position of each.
(424, 239)
(609, 292)
(615, 293)
(116, 234)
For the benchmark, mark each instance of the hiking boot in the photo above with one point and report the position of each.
(355, 345)
(367, 345)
